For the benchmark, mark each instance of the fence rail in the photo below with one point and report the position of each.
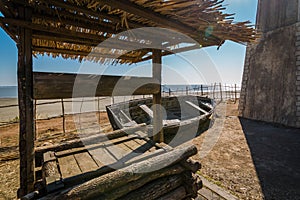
(46, 109)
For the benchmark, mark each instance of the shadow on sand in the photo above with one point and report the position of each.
(276, 155)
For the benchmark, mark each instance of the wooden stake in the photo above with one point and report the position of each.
(235, 93)
(26, 107)
(63, 115)
(35, 119)
(221, 91)
(99, 114)
(158, 135)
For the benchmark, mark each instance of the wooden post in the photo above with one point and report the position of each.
(26, 106)
(201, 90)
(214, 89)
(35, 119)
(221, 91)
(99, 114)
(63, 115)
(112, 100)
(158, 135)
(235, 96)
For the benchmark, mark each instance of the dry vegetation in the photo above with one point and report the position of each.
(229, 164)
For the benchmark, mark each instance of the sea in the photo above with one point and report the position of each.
(8, 91)
(12, 91)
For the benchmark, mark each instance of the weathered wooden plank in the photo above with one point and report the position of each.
(68, 166)
(124, 147)
(147, 110)
(85, 162)
(140, 145)
(89, 147)
(51, 175)
(94, 139)
(57, 86)
(197, 107)
(117, 152)
(103, 156)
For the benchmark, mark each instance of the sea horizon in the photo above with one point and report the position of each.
(11, 91)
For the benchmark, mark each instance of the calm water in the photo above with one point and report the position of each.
(8, 91)
(11, 91)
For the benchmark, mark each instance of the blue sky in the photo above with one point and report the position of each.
(227, 61)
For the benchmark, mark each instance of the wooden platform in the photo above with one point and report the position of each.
(66, 168)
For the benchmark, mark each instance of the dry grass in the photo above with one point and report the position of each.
(49, 132)
(229, 163)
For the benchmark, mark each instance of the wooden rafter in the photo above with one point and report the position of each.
(159, 19)
(81, 53)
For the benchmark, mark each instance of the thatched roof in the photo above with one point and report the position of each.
(72, 28)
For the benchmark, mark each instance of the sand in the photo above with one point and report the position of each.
(252, 160)
(52, 108)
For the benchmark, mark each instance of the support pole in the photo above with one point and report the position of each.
(158, 135)
(221, 91)
(235, 96)
(63, 116)
(26, 106)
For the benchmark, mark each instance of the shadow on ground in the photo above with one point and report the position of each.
(276, 155)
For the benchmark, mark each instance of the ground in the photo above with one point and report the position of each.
(252, 160)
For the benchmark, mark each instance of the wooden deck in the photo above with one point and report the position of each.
(66, 168)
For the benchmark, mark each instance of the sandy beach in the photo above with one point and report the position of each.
(53, 108)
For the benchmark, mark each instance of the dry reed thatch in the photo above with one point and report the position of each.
(73, 28)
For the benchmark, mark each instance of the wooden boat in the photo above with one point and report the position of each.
(185, 116)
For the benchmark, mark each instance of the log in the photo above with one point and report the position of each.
(137, 187)
(178, 194)
(155, 189)
(191, 165)
(31, 196)
(192, 183)
(116, 179)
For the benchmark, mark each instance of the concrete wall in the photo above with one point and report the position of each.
(273, 14)
(270, 86)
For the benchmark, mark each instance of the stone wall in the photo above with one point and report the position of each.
(271, 88)
(297, 54)
(273, 14)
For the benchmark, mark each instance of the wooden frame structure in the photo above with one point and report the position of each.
(73, 28)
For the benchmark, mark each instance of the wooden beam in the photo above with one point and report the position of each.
(5, 9)
(155, 17)
(26, 107)
(9, 32)
(90, 24)
(57, 86)
(81, 53)
(166, 53)
(115, 43)
(101, 15)
(158, 135)
(49, 29)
